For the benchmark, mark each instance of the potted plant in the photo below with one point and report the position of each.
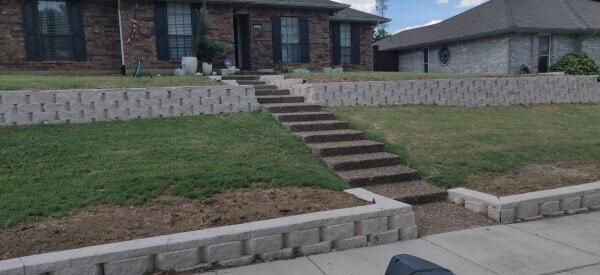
(208, 51)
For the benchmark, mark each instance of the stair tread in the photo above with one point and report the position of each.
(287, 105)
(277, 96)
(302, 114)
(342, 144)
(359, 157)
(376, 172)
(315, 122)
(328, 133)
(411, 192)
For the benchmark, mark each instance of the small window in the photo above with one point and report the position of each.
(54, 31)
(426, 60)
(444, 55)
(179, 20)
(544, 54)
(290, 40)
(346, 43)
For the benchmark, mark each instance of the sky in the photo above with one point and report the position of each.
(406, 14)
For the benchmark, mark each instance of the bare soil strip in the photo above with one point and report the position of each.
(536, 177)
(166, 215)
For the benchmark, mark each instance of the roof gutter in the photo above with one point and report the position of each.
(123, 71)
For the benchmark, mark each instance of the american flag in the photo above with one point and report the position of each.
(134, 26)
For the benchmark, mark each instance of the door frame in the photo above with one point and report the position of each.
(243, 51)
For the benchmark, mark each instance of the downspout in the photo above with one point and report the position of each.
(123, 72)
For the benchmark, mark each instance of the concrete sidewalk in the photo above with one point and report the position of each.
(566, 245)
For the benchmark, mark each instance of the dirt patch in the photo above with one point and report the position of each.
(165, 215)
(441, 217)
(535, 177)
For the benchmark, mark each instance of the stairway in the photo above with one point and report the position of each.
(347, 152)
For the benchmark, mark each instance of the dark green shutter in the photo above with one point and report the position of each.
(32, 43)
(197, 20)
(276, 31)
(304, 40)
(355, 49)
(162, 31)
(77, 31)
(335, 43)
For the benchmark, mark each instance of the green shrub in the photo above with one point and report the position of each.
(576, 64)
(207, 50)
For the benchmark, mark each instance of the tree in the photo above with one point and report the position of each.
(380, 34)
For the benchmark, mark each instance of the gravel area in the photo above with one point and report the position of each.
(440, 217)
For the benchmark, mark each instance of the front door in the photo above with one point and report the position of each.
(242, 41)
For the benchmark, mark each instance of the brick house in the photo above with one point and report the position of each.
(85, 37)
(500, 37)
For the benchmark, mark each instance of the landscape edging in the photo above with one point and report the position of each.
(384, 221)
(460, 92)
(95, 105)
(530, 206)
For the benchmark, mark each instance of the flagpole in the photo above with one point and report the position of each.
(121, 39)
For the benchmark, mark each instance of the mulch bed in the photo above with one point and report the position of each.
(165, 215)
(535, 177)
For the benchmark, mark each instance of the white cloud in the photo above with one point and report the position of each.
(441, 2)
(470, 3)
(432, 22)
(363, 5)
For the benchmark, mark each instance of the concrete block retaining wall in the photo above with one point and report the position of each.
(385, 221)
(85, 106)
(530, 206)
(454, 92)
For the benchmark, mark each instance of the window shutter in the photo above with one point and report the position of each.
(355, 49)
(276, 30)
(304, 40)
(32, 44)
(198, 21)
(162, 31)
(77, 31)
(335, 43)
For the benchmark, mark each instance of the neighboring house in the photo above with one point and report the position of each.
(84, 36)
(499, 37)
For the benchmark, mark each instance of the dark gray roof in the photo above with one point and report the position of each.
(503, 16)
(352, 15)
(318, 4)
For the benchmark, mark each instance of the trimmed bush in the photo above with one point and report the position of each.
(576, 64)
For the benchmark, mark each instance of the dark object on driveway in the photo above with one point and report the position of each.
(405, 264)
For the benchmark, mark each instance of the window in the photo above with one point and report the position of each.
(290, 40)
(445, 55)
(346, 43)
(179, 23)
(426, 60)
(544, 54)
(53, 29)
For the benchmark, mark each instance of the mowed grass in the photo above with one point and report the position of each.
(61, 82)
(449, 144)
(370, 76)
(54, 170)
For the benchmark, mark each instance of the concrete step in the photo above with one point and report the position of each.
(330, 136)
(251, 82)
(303, 116)
(290, 108)
(319, 125)
(361, 161)
(264, 87)
(379, 175)
(411, 192)
(329, 149)
(272, 92)
(241, 77)
(280, 99)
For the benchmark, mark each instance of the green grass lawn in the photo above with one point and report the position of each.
(53, 170)
(51, 82)
(449, 144)
(369, 76)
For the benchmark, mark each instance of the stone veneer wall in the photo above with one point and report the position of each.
(85, 106)
(384, 221)
(470, 92)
